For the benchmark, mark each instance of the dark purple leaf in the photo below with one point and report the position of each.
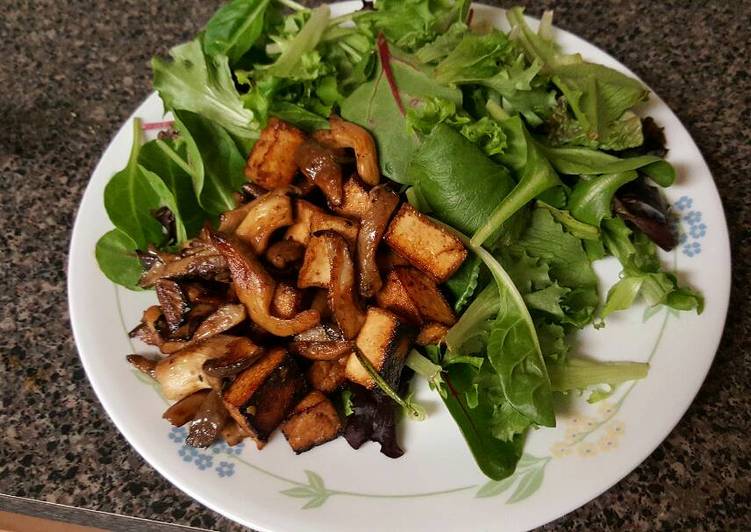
(644, 206)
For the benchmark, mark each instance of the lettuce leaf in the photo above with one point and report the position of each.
(234, 28)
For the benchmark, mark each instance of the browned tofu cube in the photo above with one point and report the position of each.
(265, 215)
(321, 221)
(426, 245)
(431, 334)
(327, 375)
(300, 230)
(385, 341)
(395, 298)
(313, 422)
(355, 200)
(425, 295)
(316, 266)
(260, 397)
(271, 163)
(287, 301)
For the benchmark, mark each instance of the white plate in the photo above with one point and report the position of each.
(436, 484)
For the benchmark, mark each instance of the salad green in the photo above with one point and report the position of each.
(500, 136)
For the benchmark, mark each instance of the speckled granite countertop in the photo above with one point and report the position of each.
(71, 72)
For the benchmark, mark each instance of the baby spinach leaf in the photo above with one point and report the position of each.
(116, 255)
(234, 28)
(461, 185)
(216, 165)
(203, 85)
(178, 181)
(134, 194)
(298, 116)
(592, 197)
(580, 373)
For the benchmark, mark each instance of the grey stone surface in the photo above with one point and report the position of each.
(72, 71)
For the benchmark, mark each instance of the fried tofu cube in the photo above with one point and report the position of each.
(316, 266)
(425, 295)
(287, 301)
(385, 341)
(262, 396)
(300, 230)
(355, 200)
(313, 422)
(327, 375)
(271, 163)
(321, 221)
(431, 334)
(426, 245)
(395, 298)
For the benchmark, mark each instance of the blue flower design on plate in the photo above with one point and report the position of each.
(698, 230)
(188, 453)
(691, 249)
(222, 447)
(204, 461)
(683, 203)
(693, 217)
(178, 434)
(225, 469)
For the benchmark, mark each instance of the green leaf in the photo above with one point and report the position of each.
(464, 282)
(580, 373)
(154, 158)
(548, 300)
(585, 161)
(493, 488)
(116, 255)
(443, 44)
(132, 196)
(460, 184)
(372, 105)
(530, 482)
(203, 85)
(216, 163)
(579, 229)
(288, 65)
(592, 197)
(622, 295)
(234, 28)
(298, 116)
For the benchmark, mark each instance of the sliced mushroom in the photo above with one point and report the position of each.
(147, 330)
(181, 373)
(283, 254)
(265, 215)
(255, 289)
(201, 262)
(381, 205)
(231, 220)
(209, 420)
(327, 350)
(143, 364)
(320, 333)
(320, 303)
(343, 134)
(225, 317)
(318, 164)
(287, 300)
(185, 409)
(342, 293)
(174, 303)
(242, 354)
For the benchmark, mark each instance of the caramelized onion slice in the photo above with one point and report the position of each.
(343, 134)
(381, 205)
(185, 409)
(327, 350)
(255, 289)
